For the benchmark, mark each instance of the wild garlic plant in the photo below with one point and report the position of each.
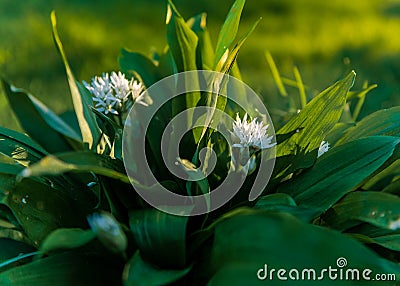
(72, 213)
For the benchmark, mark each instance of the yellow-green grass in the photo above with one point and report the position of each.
(316, 36)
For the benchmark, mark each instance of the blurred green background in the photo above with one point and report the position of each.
(324, 39)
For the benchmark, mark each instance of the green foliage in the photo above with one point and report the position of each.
(316, 208)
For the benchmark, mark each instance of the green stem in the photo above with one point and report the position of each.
(19, 257)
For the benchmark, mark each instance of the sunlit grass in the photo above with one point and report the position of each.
(314, 35)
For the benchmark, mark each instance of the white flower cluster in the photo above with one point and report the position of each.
(251, 134)
(113, 94)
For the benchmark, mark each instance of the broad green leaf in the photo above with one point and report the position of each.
(229, 30)
(64, 270)
(382, 122)
(284, 203)
(388, 241)
(138, 64)
(288, 164)
(15, 235)
(8, 217)
(141, 273)
(160, 237)
(228, 59)
(81, 98)
(339, 171)
(205, 50)
(8, 175)
(275, 199)
(80, 162)
(14, 144)
(44, 126)
(393, 187)
(245, 242)
(376, 208)
(337, 132)
(182, 42)
(316, 119)
(391, 241)
(66, 238)
(383, 178)
(40, 209)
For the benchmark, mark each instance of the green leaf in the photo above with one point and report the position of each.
(391, 241)
(80, 162)
(161, 237)
(339, 171)
(15, 144)
(216, 98)
(10, 248)
(383, 122)
(300, 86)
(361, 93)
(49, 130)
(205, 50)
(276, 75)
(228, 60)
(393, 187)
(275, 199)
(381, 180)
(140, 273)
(337, 132)
(376, 208)
(66, 238)
(229, 29)
(41, 209)
(64, 270)
(81, 98)
(8, 173)
(316, 119)
(245, 242)
(182, 42)
(139, 65)
(284, 203)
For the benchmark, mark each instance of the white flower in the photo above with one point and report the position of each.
(253, 135)
(323, 148)
(108, 231)
(113, 94)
